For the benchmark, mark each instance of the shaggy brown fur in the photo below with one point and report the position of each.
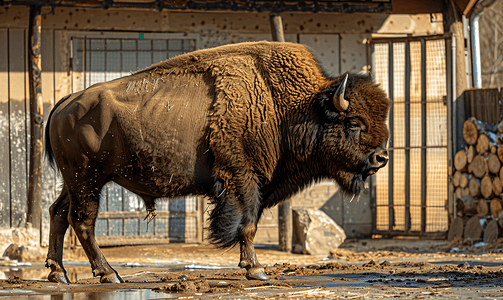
(247, 125)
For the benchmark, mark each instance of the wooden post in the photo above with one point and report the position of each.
(453, 24)
(34, 213)
(203, 205)
(277, 28)
(285, 229)
(456, 84)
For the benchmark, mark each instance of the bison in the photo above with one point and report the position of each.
(247, 125)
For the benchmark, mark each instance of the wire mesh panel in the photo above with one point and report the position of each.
(122, 213)
(98, 60)
(411, 191)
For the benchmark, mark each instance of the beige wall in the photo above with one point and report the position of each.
(339, 38)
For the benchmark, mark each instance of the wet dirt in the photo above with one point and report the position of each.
(360, 269)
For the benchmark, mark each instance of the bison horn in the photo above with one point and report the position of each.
(339, 101)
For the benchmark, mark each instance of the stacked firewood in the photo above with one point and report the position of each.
(478, 183)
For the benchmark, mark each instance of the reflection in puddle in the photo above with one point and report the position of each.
(136, 294)
(74, 274)
(82, 270)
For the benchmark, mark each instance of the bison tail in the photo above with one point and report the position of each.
(49, 154)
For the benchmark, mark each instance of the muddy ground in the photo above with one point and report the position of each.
(359, 269)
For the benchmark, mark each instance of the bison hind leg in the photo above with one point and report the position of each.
(84, 204)
(58, 213)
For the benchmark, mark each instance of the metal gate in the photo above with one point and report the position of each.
(103, 57)
(410, 196)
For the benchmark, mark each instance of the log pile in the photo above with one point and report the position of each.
(478, 184)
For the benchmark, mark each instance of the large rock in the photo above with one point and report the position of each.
(24, 253)
(315, 233)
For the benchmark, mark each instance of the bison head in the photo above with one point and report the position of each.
(354, 135)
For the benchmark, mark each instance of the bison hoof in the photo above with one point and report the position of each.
(256, 274)
(59, 277)
(111, 278)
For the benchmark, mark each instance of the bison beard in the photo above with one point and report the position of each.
(247, 125)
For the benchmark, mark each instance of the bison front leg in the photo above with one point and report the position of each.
(234, 220)
(251, 212)
(58, 213)
(249, 261)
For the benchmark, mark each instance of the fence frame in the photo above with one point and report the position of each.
(450, 91)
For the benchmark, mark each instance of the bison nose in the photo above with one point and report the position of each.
(379, 159)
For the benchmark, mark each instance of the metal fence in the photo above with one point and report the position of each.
(122, 214)
(410, 195)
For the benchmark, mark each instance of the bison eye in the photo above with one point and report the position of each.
(355, 125)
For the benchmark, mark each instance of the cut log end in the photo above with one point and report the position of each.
(474, 187)
(456, 229)
(494, 148)
(482, 208)
(473, 229)
(495, 207)
(456, 178)
(486, 187)
(482, 143)
(494, 163)
(470, 132)
(497, 186)
(460, 161)
(499, 153)
(479, 166)
(470, 154)
(463, 180)
(491, 232)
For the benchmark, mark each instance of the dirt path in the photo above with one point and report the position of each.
(365, 269)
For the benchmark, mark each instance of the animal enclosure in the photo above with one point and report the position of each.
(411, 192)
(339, 41)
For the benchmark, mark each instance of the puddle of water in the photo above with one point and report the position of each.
(82, 270)
(136, 294)
(470, 262)
(74, 273)
(349, 284)
(368, 279)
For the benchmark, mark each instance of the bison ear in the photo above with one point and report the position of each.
(340, 103)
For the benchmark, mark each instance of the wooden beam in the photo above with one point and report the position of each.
(417, 7)
(454, 25)
(34, 213)
(465, 6)
(5, 186)
(224, 5)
